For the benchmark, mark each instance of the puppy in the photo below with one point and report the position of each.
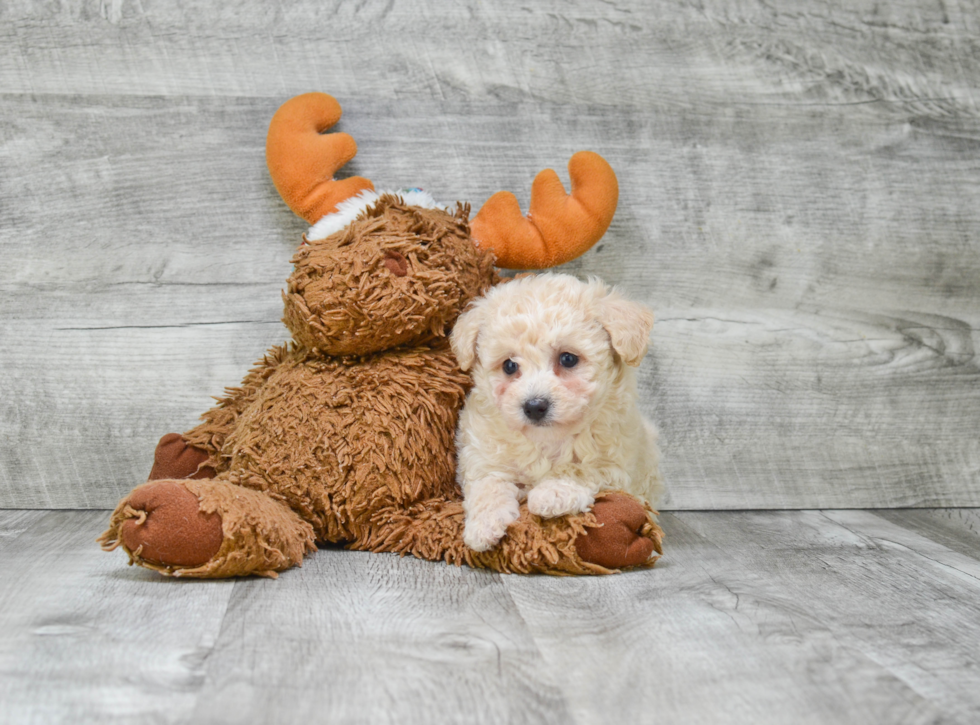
(552, 415)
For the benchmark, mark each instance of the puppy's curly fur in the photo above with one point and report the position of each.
(553, 413)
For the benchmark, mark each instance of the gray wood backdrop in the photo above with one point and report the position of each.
(800, 204)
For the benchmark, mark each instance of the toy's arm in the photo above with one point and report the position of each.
(619, 533)
(210, 435)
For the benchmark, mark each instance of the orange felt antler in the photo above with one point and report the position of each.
(559, 227)
(302, 160)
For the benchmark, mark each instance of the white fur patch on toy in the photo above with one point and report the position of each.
(349, 209)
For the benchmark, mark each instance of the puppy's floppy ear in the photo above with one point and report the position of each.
(464, 334)
(628, 324)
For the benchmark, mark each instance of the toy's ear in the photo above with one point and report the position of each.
(464, 334)
(628, 324)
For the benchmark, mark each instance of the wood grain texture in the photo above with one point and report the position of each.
(378, 639)
(793, 617)
(757, 617)
(956, 529)
(85, 639)
(883, 617)
(564, 51)
(798, 205)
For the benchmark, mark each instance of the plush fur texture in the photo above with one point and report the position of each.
(399, 274)
(552, 416)
(346, 434)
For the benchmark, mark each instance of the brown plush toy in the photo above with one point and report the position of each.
(346, 433)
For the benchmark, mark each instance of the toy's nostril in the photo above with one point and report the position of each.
(396, 264)
(536, 408)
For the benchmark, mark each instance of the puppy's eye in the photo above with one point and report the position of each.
(510, 367)
(568, 360)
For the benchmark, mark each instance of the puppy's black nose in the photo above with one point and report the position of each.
(536, 408)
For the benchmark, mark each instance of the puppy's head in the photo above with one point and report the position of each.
(548, 349)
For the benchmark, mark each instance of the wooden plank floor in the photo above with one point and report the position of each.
(833, 616)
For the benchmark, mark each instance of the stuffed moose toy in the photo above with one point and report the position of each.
(345, 434)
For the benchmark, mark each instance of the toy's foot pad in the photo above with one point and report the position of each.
(166, 526)
(173, 458)
(626, 537)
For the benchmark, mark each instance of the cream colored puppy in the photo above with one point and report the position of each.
(552, 414)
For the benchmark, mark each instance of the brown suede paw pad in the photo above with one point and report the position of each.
(167, 527)
(620, 541)
(173, 458)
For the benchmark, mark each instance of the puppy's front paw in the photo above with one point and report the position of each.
(484, 531)
(557, 497)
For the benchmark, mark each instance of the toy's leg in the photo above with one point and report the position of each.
(207, 529)
(174, 458)
(620, 533)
